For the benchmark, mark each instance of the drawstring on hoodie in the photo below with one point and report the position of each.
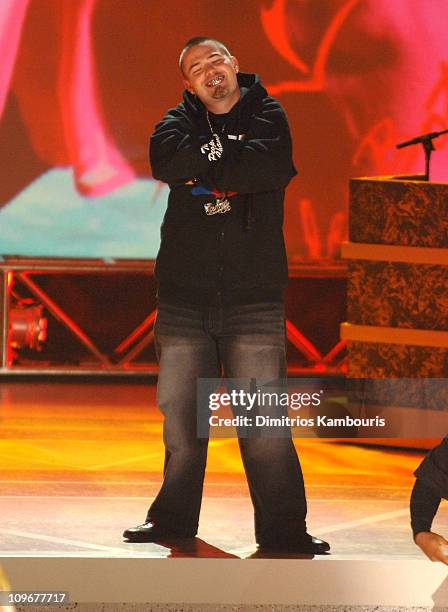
(248, 212)
(248, 198)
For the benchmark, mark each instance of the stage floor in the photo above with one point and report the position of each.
(81, 462)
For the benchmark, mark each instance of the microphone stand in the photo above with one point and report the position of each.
(428, 147)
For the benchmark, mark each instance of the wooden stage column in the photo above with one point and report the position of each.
(397, 278)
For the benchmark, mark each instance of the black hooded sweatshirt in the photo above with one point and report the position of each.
(238, 256)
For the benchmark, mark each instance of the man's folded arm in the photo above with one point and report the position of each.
(261, 162)
(174, 150)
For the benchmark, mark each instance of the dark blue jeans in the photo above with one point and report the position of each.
(240, 342)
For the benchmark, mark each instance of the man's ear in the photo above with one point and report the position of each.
(235, 63)
(188, 87)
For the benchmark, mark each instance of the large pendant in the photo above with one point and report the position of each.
(213, 149)
(221, 206)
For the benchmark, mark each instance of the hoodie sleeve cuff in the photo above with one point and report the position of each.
(424, 505)
(433, 470)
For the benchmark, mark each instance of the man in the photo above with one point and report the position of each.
(431, 485)
(225, 151)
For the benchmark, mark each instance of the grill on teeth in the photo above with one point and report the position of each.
(215, 81)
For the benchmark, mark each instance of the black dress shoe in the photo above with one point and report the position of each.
(306, 544)
(150, 532)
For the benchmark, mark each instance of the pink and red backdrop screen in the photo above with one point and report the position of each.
(82, 83)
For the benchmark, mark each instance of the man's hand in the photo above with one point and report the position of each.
(433, 545)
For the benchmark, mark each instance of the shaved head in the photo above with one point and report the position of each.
(198, 40)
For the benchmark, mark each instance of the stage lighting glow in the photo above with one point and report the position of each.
(27, 327)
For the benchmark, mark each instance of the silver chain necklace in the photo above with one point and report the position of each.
(211, 127)
(222, 204)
